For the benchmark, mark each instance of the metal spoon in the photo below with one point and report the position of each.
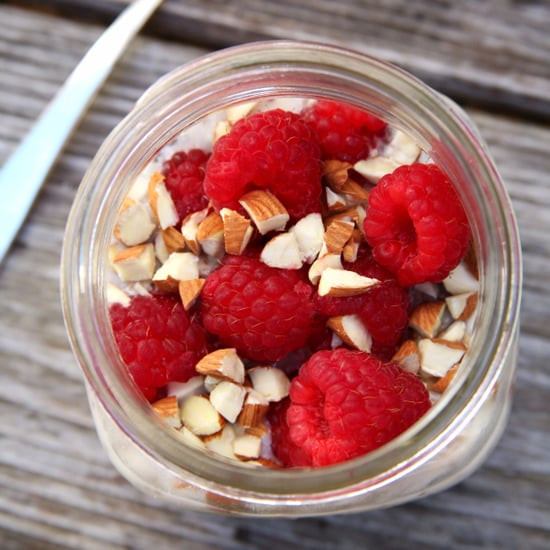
(24, 172)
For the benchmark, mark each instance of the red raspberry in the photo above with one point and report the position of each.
(384, 310)
(345, 403)
(346, 133)
(416, 224)
(261, 311)
(273, 150)
(158, 341)
(285, 450)
(184, 173)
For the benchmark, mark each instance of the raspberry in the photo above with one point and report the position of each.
(346, 133)
(384, 310)
(261, 311)
(158, 341)
(286, 451)
(184, 173)
(273, 150)
(345, 403)
(416, 224)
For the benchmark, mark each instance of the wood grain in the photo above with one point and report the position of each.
(492, 54)
(57, 487)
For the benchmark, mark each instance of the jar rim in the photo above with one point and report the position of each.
(83, 296)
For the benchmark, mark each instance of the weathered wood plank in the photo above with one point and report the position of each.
(493, 54)
(57, 488)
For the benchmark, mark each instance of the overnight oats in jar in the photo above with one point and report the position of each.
(291, 277)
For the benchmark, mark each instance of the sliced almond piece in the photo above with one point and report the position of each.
(407, 356)
(437, 356)
(136, 263)
(462, 306)
(351, 248)
(271, 382)
(190, 227)
(247, 446)
(254, 409)
(455, 332)
(352, 331)
(116, 295)
(426, 318)
(224, 364)
(265, 210)
(222, 442)
(199, 415)
(227, 398)
(168, 409)
(344, 282)
(351, 214)
(161, 202)
(210, 235)
(282, 251)
(134, 224)
(461, 280)
(237, 231)
(222, 128)
(335, 201)
(309, 232)
(161, 252)
(354, 191)
(440, 385)
(179, 266)
(333, 261)
(236, 112)
(338, 233)
(173, 239)
(402, 149)
(374, 168)
(189, 290)
(335, 173)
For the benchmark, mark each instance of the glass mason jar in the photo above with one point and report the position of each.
(448, 442)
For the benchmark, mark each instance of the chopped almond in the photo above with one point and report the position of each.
(254, 409)
(265, 210)
(173, 240)
(210, 235)
(282, 251)
(200, 416)
(426, 318)
(335, 173)
(374, 168)
(271, 382)
(324, 262)
(237, 231)
(352, 331)
(462, 306)
(134, 225)
(440, 385)
(222, 363)
(136, 263)
(189, 290)
(344, 282)
(437, 356)
(227, 398)
(161, 202)
(408, 356)
(338, 233)
(178, 267)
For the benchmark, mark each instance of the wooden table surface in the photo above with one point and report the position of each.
(57, 488)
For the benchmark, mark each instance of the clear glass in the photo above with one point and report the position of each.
(449, 442)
